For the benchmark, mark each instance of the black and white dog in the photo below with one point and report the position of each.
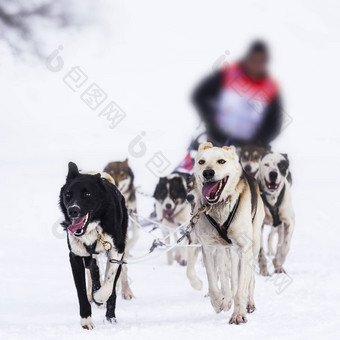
(173, 209)
(275, 180)
(96, 222)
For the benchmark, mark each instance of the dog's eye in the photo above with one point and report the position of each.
(221, 161)
(68, 196)
(266, 164)
(201, 162)
(87, 194)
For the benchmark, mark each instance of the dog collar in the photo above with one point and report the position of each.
(223, 229)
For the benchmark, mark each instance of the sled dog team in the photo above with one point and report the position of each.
(231, 195)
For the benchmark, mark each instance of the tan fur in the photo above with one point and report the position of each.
(244, 234)
(205, 146)
(103, 175)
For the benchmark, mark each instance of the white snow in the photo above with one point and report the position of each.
(147, 61)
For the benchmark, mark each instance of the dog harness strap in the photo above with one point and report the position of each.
(274, 209)
(223, 229)
(253, 192)
(120, 262)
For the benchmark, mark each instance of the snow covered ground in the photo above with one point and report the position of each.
(147, 59)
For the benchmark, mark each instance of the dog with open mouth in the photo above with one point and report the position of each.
(230, 222)
(250, 157)
(275, 180)
(173, 209)
(95, 218)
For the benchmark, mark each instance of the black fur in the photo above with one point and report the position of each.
(177, 190)
(284, 168)
(104, 203)
(253, 192)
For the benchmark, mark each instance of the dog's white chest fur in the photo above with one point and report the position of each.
(77, 244)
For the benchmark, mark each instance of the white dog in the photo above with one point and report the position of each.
(275, 180)
(233, 219)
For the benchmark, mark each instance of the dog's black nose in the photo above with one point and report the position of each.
(190, 198)
(168, 206)
(247, 168)
(73, 212)
(273, 176)
(208, 174)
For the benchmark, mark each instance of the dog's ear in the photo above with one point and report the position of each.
(72, 171)
(189, 179)
(101, 180)
(126, 161)
(264, 150)
(205, 146)
(230, 148)
(156, 193)
(285, 156)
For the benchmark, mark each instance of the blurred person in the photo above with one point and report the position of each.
(238, 104)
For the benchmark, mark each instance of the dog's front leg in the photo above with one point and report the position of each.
(234, 271)
(78, 271)
(182, 252)
(224, 265)
(126, 290)
(216, 297)
(94, 276)
(194, 280)
(105, 291)
(279, 260)
(167, 238)
(262, 257)
(111, 302)
(245, 255)
(271, 241)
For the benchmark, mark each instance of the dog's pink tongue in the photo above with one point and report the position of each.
(210, 187)
(77, 223)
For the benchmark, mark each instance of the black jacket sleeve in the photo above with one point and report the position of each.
(272, 123)
(205, 97)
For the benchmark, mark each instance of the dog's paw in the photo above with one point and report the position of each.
(170, 261)
(196, 284)
(127, 294)
(86, 323)
(250, 307)
(109, 321)
(217, 301)
(264, 271)
(227, 305)
(238, 318)
(279, 270)
(183, 262)
(102, 295)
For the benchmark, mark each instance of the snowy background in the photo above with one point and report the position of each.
(147, 56)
